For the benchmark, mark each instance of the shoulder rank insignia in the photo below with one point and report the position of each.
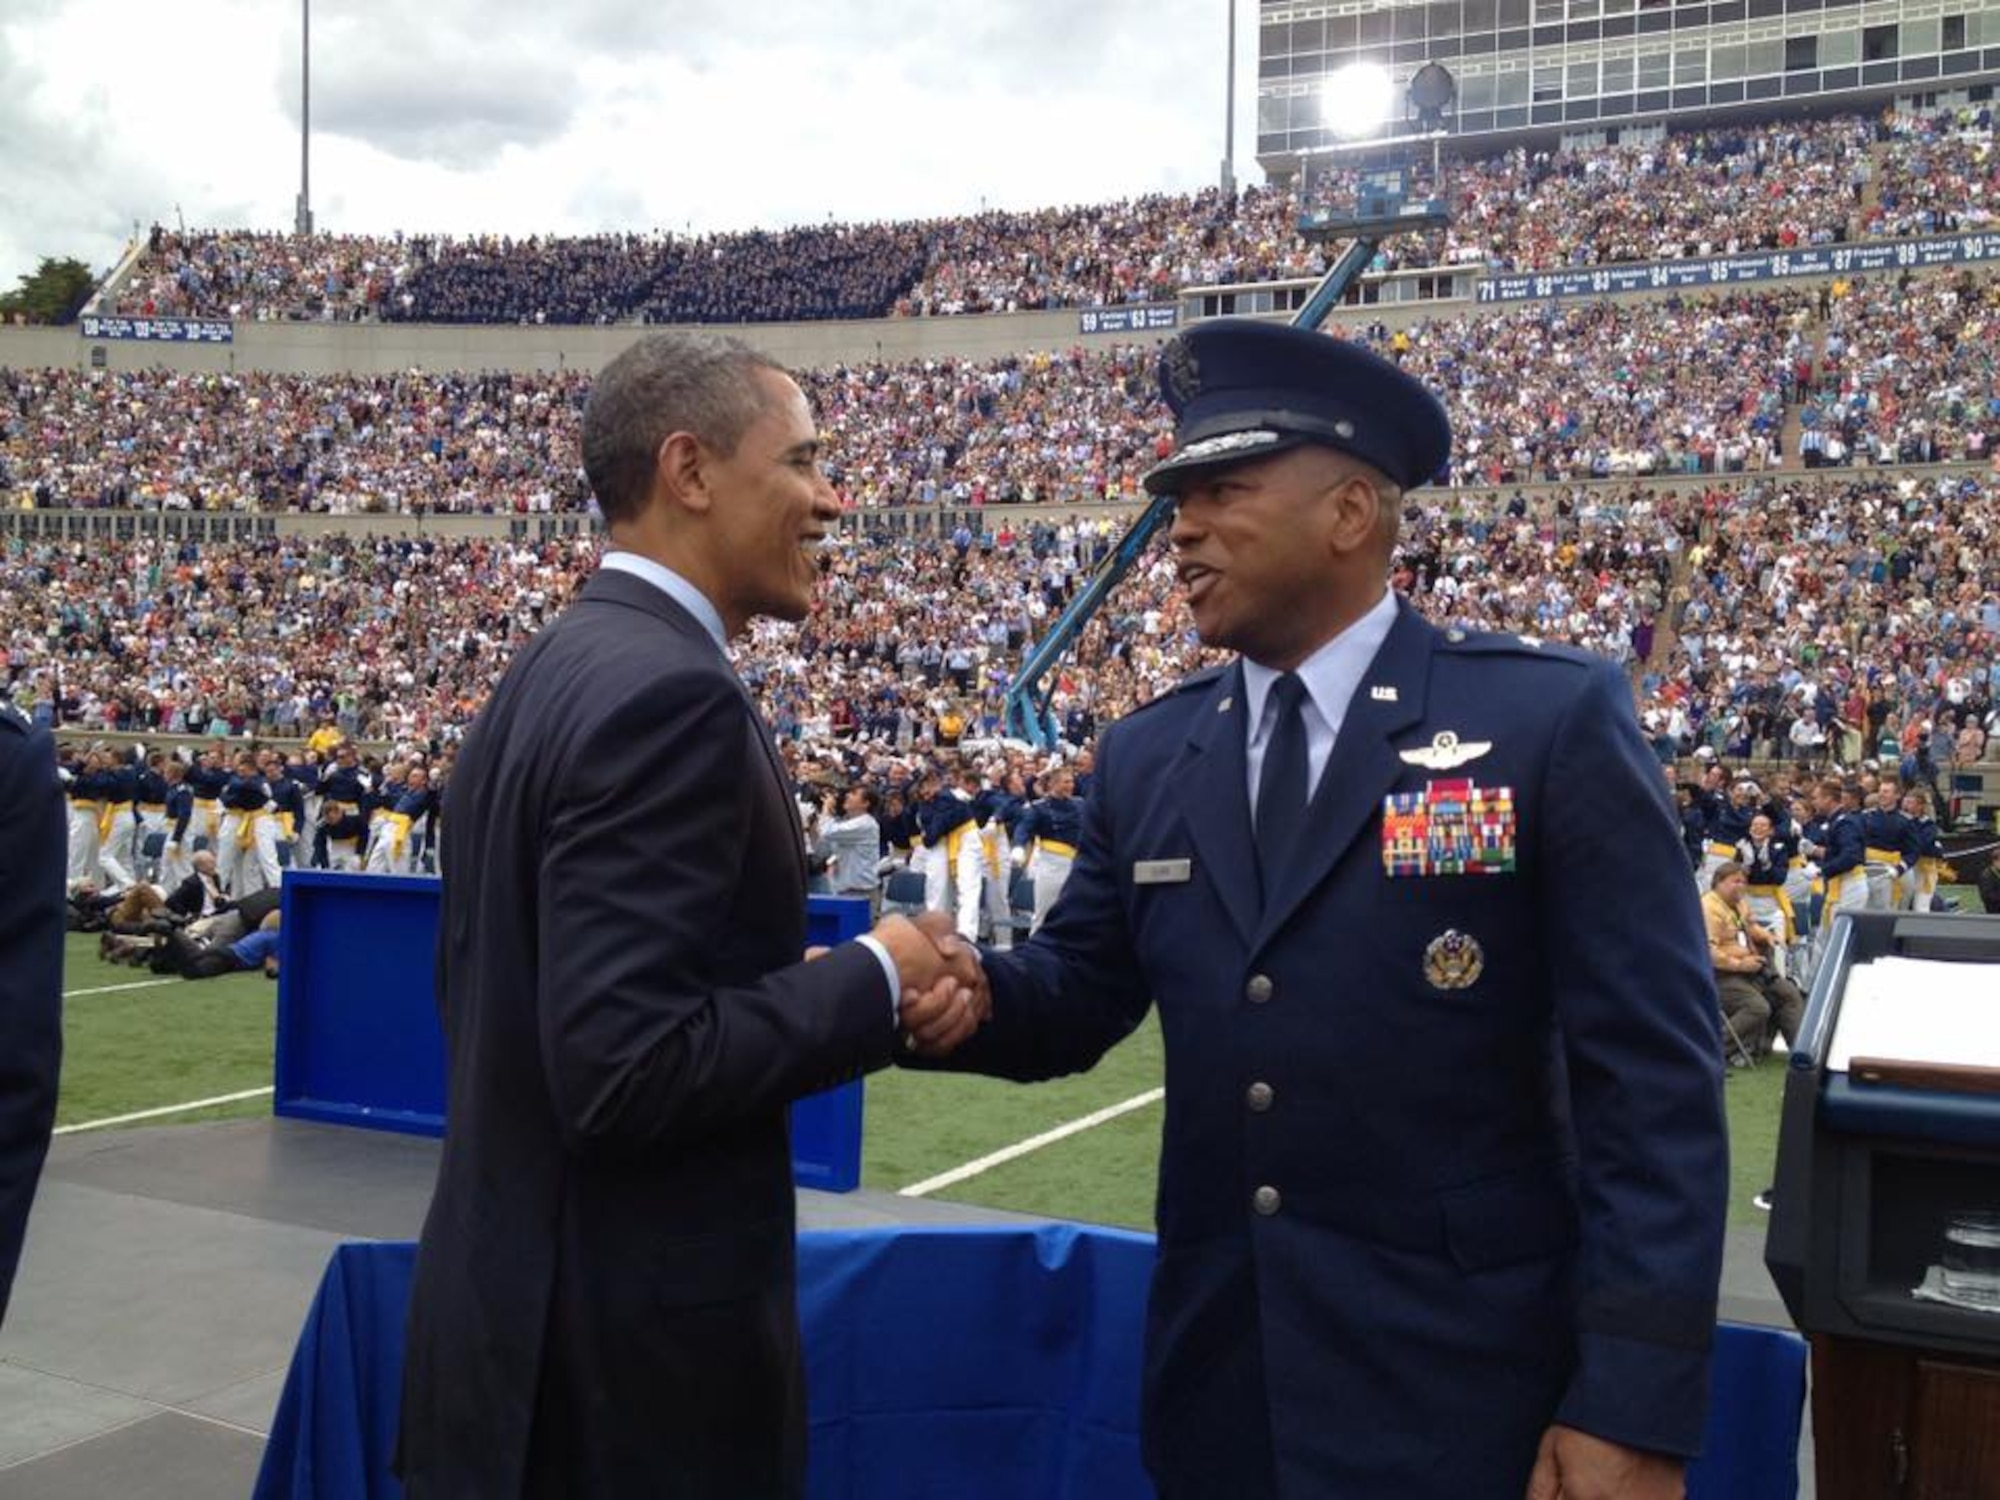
(1453, 960)
(1446, 752)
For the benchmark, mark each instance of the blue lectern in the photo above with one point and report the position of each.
(358, 1038)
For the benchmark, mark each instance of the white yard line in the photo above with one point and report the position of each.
(112, 989)
(1034, 1143)
(169, 1109)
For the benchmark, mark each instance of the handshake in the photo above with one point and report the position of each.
(944, 993)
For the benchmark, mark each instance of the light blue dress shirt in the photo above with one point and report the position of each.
(1331, 676)
(696, 603)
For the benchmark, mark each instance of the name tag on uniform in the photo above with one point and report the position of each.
(1162, 871)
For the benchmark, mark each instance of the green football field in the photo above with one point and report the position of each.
(136, 1044)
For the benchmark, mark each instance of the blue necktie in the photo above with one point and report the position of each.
(1281, 783)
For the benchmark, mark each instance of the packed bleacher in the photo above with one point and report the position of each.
(1743, 612)
(1690, 193)
(1883, 369)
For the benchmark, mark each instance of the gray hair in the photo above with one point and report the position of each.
(699, 383)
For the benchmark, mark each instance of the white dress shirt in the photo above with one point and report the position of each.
(696, 603)
(1331, 675)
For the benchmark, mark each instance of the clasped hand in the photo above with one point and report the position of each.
(944, 993)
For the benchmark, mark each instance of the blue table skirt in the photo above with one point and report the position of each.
(961, 1364)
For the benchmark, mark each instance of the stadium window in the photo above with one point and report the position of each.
(1548, 83)
(1919, 38)
(1481, 15)
(1840, 49)
(1726, 63)
(1375, 27)
(1513, 12)
(1691, 65)
(1801, 53)
(1444, 19)
(1617, 75)
(1764, 59)
(1513, 91)
(1308, 36)
(1878, 43)
(1954, 33)
(1342, 31)
(1582, 80)
(1653, 71)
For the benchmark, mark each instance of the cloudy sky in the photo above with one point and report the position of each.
(577, 115)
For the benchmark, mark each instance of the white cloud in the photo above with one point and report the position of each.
(467, 115)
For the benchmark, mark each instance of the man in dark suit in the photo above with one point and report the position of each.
(33, 854)
(604, 1300)
(1443, 1169)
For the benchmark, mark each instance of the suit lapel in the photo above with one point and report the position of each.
(1215, 779)
(614, 585)
(1363, 768)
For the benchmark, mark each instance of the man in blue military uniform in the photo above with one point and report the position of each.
(1444, 1159)
(32, 859)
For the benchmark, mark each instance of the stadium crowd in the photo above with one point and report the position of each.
(1688, 193)
(1749, 614)
(1888, 369)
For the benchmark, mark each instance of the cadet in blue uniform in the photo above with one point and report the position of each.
(118, 855)
(1923, 851)
(942, 816)
(1842, 855)
(177, 858)
(1884, 832)
(342, 810)
(152, 816)
(206, 782)
(32, 860)
(1443, 1172)
(244, 798)
(1048, 834)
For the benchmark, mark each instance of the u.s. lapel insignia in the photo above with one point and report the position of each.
(1382, 694)
(1225, 705)
(1453, 960)
(1446, 752)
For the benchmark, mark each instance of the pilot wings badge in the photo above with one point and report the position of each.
(1446, 752)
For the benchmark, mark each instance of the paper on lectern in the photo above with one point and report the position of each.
(1919, 1010)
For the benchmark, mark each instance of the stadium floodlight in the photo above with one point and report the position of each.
(1357, 100)
(1432, 95)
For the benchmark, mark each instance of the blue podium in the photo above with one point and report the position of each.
(358, 1038)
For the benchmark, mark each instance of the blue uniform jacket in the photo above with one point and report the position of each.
(1420, 1194)
(941, 816)
(1845, 848)
(1056, 818)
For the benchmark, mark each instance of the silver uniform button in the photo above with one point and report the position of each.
(1259, 989)
(1259, 1098)
(1266, 1201)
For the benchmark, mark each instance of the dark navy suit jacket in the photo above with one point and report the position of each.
(604, 1300)
(33, 857)
(1419, 1195)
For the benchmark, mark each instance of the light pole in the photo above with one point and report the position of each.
(1229, 112)
(304, 222)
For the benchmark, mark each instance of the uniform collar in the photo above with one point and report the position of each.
(1331, 673)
